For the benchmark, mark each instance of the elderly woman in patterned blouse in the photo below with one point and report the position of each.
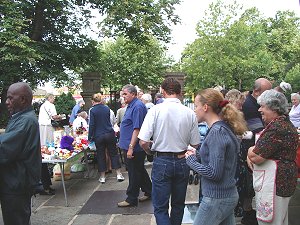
(273, 158)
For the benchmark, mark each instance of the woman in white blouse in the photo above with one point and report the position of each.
(295, 110)
(80, 121)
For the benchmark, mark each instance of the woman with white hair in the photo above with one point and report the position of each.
(283, 87)
(295, 110)
(80, 122)
(147, 100)
(272, 160)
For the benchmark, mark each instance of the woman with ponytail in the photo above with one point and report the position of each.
(217, 159)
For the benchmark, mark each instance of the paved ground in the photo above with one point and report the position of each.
(51, 210)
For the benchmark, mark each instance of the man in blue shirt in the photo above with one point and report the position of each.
(75, 110)
(129, 130)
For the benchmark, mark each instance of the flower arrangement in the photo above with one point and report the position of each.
(80, 130)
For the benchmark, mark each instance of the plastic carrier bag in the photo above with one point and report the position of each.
(57, 172)
(77, 167)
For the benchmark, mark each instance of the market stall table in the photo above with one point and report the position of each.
(61, 163)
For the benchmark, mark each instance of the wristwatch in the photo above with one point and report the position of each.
(131, 146)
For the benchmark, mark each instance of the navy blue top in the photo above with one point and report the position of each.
(99, 121)
(133, 119)
(74, 113)
(252, 115)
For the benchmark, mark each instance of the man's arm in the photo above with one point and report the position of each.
(195, 146)
(146, 146)
(133, 142)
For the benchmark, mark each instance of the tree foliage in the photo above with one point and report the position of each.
(124, 61)
(284, 43)
(137, 19)
(40, 40)
(43, 40)
(64, 103)
(234, 47)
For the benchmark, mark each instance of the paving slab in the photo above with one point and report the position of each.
(91, 219)
(51, 210)
(50, 215)
(144, 219)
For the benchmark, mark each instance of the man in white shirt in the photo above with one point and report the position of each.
(46, 114)
(173, 127)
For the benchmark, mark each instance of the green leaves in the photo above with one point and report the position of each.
(235, 47)
(40, 40)
(64, 103)
(137, 19)
(124, 61)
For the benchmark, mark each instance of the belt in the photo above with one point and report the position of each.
(172, 154)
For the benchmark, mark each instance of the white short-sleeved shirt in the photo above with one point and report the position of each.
(172, 125)
(295, 115)
(112, 118)
(47, 110)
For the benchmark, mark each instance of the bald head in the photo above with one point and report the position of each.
(19, 97)
(261, 85)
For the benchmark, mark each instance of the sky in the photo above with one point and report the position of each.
(191, 11)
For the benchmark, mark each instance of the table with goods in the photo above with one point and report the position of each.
(66, 149)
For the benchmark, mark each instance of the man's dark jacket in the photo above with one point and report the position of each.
(20, 154)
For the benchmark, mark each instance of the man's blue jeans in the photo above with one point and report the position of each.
(169, 178)
(215, 211)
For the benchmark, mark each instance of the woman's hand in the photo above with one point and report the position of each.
(250, 164)
(190, 152)
(253, 157)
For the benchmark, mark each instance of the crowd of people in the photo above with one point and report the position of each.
(248, 151)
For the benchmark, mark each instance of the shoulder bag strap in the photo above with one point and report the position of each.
(48, 113)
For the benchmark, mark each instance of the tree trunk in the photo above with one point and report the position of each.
(240, 84)
(38, 21)
(3, 110)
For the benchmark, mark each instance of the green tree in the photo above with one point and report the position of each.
(124, 61)
(50, 36)
(293, 77)
(137, 19)
(235, 47)
(283, 42)
(64, 103)
(43, 40)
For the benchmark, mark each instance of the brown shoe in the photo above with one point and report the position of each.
(125, 204)
(144, 198)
